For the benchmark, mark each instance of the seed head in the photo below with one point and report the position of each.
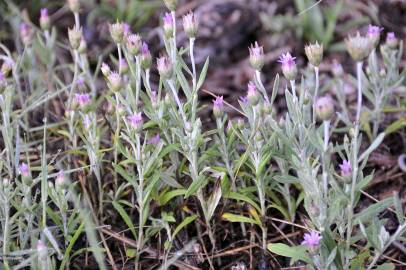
(253, 94)
(168, 25)
(75, 37)
(165, 68)
(44, 20)
(314, 53)
(190, 24)
(117, 32)
(135, 121)
(218, 107)
(324, 108)
(114, 81)
(373, 34)
(359, 47)
(256, 56)
(146, 58)
(74, 5)
(391, 40)
(171, 4)
(289, 68)
(134, 44)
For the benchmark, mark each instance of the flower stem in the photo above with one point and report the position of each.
(316, 91)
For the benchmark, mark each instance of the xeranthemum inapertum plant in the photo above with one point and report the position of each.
(101, 164)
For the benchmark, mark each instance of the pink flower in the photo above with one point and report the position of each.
(252, 95)
(287, 60)
(164, 67)
(391, 36)
(218, 102)
(345, 168)
(167, 19)
(44, 13)
(135, 120)
(24, 170)
(374, 31)
(312, 240)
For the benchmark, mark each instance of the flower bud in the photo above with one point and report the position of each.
(24, 170)
(373, 34)
(253, 94)
(26, 34)
(146, 59)
(324, 108)
(171, 4)
(289, 68)
(190, 25)
(346, 171)
(218, 107)
(44, 20)
(75, 37)
(391, 40)
(114, 81)
(82, 100)
(60, 179)
(314, 53)
(117, 32)
(359, 47)
(74, 5)
(256, 56)
(168, 25)
(105, 69)
(165, 68)
(135, 121)
(82, 46)
(134, 44)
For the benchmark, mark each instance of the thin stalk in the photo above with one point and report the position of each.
(316, 92)
(293, 85)
(119, 58)
(194, 90)
(355, 163)
(5, 233)
(138, 80)
(175, 96)
(326, 125)
(262, 87)
(77, 20)
(116, 136)
(140, 199)
(174, 38)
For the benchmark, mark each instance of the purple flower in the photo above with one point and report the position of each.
(154, 140)
(312, 240)
(126, 28)
(145, 56)
(60, 178)
(252, 95)
(135, 121)
(82, 99)
(218, 102)
(289, 69)
(164, 67)
(167, 19)
(44, 12)
(374, 31)
(145, 49)
(24, 170)
(345, 168)
(190, 24)
(391, 36)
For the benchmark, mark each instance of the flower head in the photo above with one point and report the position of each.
(288, 63)
(155, 139)
(253, 94)
(75, 37)
(25, 33)
(164, 66)
(60, 178)
(168, 25)
(82, 99)
(117, 32)
(114, 81)
(324, 108)
(373, 34)
(391, 40)
(190, 24)
(44, 20)
(345, 168)
(314, 53)
(359, 47)
(146, 59)
(24, 169)
(312, 240)
(136, 121)
(218, 106)
(256, 56)
(134, 43)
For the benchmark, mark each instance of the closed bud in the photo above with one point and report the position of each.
(168, 25)
(324, 108)
(105, 69)
(135, 121)
(374, 33)
(253, 94)
(44, 20)
(190, 25)
(134, 44)
(218, 107)
(171, 4)
(256, 56)
(289, 68)
(74, 5)
(117, 32)
(359, 47)
(346, 171)
(114, 82)
(75, 37)
(146, 59)
(391, 40)
(165, 68)
(314, 53)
